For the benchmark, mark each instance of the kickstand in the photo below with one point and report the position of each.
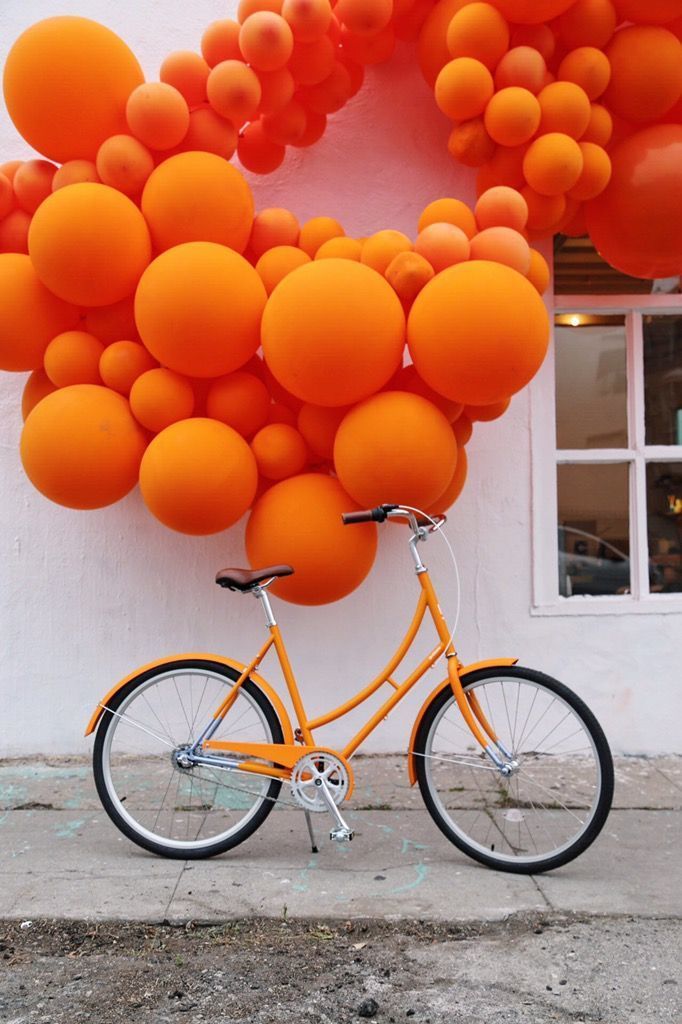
(309, 823)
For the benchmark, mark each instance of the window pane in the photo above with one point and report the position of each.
(594, 532)
(591, 381)
(664, 510)
(663, 379)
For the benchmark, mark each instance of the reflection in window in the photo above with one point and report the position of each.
(664, 505)
(663, 379)
(594, 531)
(591, 381)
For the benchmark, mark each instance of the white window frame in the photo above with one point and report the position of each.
(545, 456)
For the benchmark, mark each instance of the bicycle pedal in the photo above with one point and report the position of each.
(341, 835)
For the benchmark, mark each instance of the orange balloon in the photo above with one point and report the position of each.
(538, 37)
(636, 223)
(381, 247)
(220, 42)
(332, 93)
(565, 108)
(657, 12)
(198, 476)
(188, 73)
(341, 248)
(395, 447)
(198, 309)
(522, 66)
(333, 332)
(73, 358)
(277, 88)
(315, 127)
(298, 522)
(543, 211)
(452, 492)
(266, 41)
(407, 273)
(539, 273)
(587, 67)
(600, 127)
(432, 48)
(234, 91)
(502, 245)
(646, 72)
(512, 117)
(364, 17)
(196, 197)
(14, 232)
(89, 244)
(124, 163)
(280, 451)
(470, 144)
(443, 245)
(122, 362)
(160, 397)
(317, 425)
(462, 429)
(595, 174)
(532, 12)
(37, 387)
(81, 447)
(10, 168)
(506, 167)
(501, 206)
(464, 88)
(407, 379)
(257, 152)
(449, 211)
(157, 115)
(66, 83)
(273, 227)
(486, 413)
(316, 231)
(311, 63)
(112, 323)
(73, 172)
(553, 164)
(276, 263)
(307, 19)
(287, 126)
(31, 315)
(588, 23)
(479, 31)
(473, 350)
(248, 7)
(33, 183)
(210, 133)
(6, 196)
(241, 400)
(281, 413)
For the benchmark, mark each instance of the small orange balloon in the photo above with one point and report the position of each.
(369, 50)
(298, 522)
(407, 273)
(14, 232)
(395, 447)
(470, 144)
(588, 23)
(432, 47)
(157, 115)
(532, 12)
(478, 30)
(539, 273)
(443, 245)
(595, 175)
(160, 397)
(287, 126)
(73, 358)
(196, 197)
(381, 247)
(31, 315)
(241, 400)
(523, 67)
(277, 88)
(449, 211)
(452, 492)
(464, 88)
(332, 93)
(122, 362)
(89, 244)
(364, 17)
(543, 211)
(248, 7)
(506, 167)
(198, 476)
(311, 63)
(538, 37)
(257, 152)
(33, 183)
(280, 451)
(112, 323)
(314, 130)
(10, 168)
(266, 41)
(462, 429)
(307, 19)
(188, 73)
(565, 108)
(600, 126)
(74, 172)
(501, 206)
(407, 379)
(220, 42)
(658, 12)
(587, 67)
(210, 133)
(37, 387)
(318, 425)
(316, 231)
(486, 413)
(281, 413)
(276, 263)
(553, 164)
(512, 116)
(340, 248)
(234, 91)
(6, 195)
(124, 163)
(646, 72)
(502, 245)
(81, 447)
(272, 227)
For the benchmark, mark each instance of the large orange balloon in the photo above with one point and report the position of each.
(395, 447)
(646, 72)
(636, 223)
(471, 349)
(81, 447)
(160, 397)
(198, 309)
(31, 315)
(298, 522)
(198, 197)
(66, 84)
(333, 332)
(198, 476)
(89, 244)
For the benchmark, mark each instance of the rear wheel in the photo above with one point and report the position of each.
(191, 812)
(552, 807)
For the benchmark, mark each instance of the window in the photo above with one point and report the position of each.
(607, 454)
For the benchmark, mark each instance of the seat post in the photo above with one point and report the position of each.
(260, 593)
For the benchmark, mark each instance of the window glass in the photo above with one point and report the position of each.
(663, 379)
(664, 515)
(591, 381)
(594, 532)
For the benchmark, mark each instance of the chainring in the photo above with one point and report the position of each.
(306, 776)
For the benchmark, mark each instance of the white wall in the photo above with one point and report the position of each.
(85, 597)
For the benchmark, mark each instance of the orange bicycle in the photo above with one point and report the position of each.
(191, 751)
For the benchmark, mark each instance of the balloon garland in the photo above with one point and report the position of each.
(229, 359)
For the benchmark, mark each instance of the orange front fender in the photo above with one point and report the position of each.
(464, 671)
(237, 666)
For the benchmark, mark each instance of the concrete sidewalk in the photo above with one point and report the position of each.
(60, 857)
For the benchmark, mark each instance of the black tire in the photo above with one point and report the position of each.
(108, 722)
(523, 863)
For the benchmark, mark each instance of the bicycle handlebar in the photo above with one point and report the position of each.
(372, 515)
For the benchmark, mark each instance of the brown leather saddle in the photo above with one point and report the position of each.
(246, 579)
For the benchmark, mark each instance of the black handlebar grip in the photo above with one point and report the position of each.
(357, 517)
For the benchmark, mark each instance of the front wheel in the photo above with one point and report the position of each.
(191, 812)
(553, 805)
